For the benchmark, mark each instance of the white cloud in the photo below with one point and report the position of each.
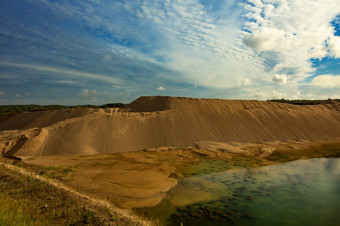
(2, 93)
(280, 78)
(186, 20)
(211, 53)
(85, 93)
(161, 88)
(268, 92)
(73, 73)
(334, 46)
(131, 54)
(244, 46)
(206, 51)
(283, 33)
(267, 39)
(326, 81)
(199, 44)
(278, 95)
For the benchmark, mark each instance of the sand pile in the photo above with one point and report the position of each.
(150, 122)
(27, 120)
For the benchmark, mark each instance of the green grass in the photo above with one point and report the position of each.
(57, 172)
(321, 151)
(11, 212)
(27, 201)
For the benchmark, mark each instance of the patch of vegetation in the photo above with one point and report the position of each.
(27, 201)
(301, 102)
(331, 150)
(208, 165)
(7, 109)
(246, 161)
(214, 165)
(61, 173)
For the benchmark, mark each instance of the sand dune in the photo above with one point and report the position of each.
(150, 122)
(27, 120)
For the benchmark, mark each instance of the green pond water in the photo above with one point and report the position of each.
(303, 192)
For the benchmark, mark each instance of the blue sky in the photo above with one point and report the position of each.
(102, 51)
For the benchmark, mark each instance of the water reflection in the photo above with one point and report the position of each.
(296, 193)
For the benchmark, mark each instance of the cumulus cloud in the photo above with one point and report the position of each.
(85, 93)
(267, 39)
(161, 88)
(2, 93)
(277, 93)
(334, 46)
(326, 81)
(281, 30)
(280, 78)
(277, 40)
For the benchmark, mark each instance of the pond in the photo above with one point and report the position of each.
(302, 192)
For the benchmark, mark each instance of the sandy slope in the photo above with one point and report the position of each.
(27, 120)
(166, 121)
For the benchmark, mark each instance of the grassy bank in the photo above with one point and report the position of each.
(27, 201)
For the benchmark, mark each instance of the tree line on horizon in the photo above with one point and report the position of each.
(302, 102)
(7, 109)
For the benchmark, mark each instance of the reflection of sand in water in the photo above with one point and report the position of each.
(195, 190)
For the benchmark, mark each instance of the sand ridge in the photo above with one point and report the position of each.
(28, 120)
(151, 122)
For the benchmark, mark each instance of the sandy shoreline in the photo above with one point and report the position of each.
(141, 178)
